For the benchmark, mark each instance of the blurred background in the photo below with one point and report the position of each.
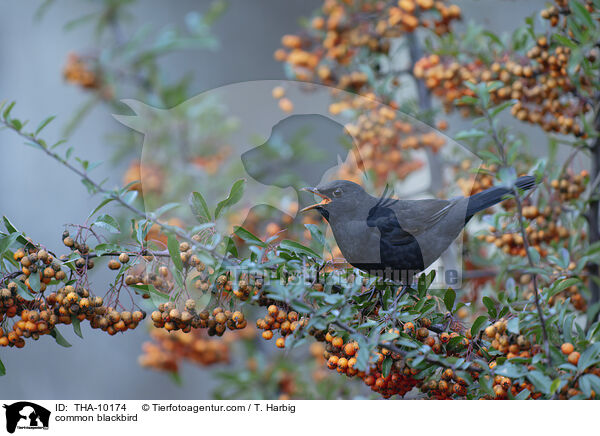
(41, 197)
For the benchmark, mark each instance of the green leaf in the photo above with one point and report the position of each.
(156, 296)
(478, 324)
(76, 326)
(362, 357)
(6, 112)
(389, 336)
(2, 368)
(469, 134)
(563, 40)
(386, 366)
(235, 195)
(513, 325)
(467, 100)
(108, 223)
(164, 209)
(230, 246)
(248, 236)
(199, 207)
(508, 369)
(522, 395)
(585, 385)
(554, 386)
(542, 382)
(100, 206)
(449, 298)
(60, 340)
(298, 248)
(17, 125)
(43, 124)
(301, 307)
(102, 249)
(496, 110)
(491, 306)
(9, 226)
(559, 286)
(7, 241)
(316, 233)
(34, 282)
(581, 13)
(23, 291)
(493, 37)
(173, 247)
(568, 327)
(176, 378)
(589, 357)
(535, 256)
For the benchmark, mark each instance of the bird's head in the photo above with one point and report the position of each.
(339, 197)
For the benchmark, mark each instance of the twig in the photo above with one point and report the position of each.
(500, 146)
(593, 214)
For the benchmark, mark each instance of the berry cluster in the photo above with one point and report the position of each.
(444, 385)
(540, 81)
(40, 316)
(171, 319)
(511, 345)
(333, 51)
(77, 71)
(285, 323)
(69, 302)
(570, 186)
(341, 357)
(471, 184)
(42, 264)
(339, 34)
(167, 350)
(32, 323)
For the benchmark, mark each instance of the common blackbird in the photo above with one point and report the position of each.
(394, 238)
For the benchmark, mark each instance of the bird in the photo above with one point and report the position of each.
(394, 238)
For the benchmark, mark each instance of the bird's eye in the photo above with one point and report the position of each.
(337, 192)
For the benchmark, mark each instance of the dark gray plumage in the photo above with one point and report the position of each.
(398, 238)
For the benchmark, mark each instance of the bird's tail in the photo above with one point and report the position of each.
(484, 199)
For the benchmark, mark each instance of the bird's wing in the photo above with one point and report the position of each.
(417, 216)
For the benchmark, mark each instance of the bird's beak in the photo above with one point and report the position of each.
(315, 191)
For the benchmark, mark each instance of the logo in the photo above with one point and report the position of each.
(26, 415)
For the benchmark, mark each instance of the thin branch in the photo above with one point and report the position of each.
(593, 213)
(500, 146)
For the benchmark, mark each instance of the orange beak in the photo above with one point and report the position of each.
(315, 191)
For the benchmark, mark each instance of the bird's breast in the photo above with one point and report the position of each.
(358, 242)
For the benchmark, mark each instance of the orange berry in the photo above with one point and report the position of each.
(337, 342)
(567, 348)
(349, 349)
(278, 92)
(574, 357)
(286, 105)
(114, 264)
